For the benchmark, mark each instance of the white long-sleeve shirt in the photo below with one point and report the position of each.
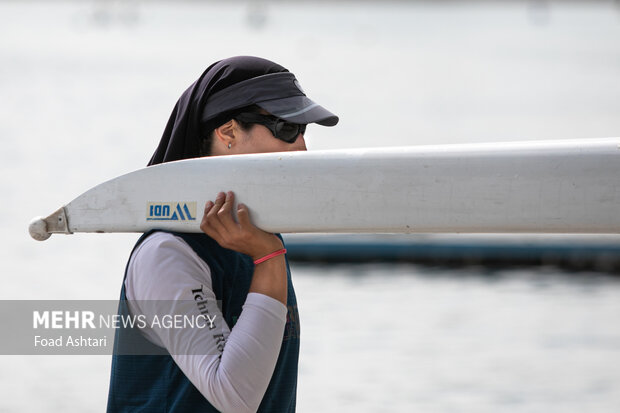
(232, 369)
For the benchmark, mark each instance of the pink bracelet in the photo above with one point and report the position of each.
(270, 256)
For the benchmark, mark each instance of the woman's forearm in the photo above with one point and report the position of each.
(270, 279)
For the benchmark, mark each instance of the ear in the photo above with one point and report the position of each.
(225, 134)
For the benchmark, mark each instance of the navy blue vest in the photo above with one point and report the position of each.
(154, 383)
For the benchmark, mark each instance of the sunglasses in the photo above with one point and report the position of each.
(281, 129)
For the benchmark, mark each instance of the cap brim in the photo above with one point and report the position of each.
(299, 109)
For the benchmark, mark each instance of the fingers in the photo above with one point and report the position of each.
(218, 221)
(211, 210)
(219, 202)
(243, 215)
(208, 219)
(225, 212)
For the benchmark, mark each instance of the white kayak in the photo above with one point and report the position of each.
(520, 187)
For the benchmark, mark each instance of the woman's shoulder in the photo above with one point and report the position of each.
(158, 238)
(161, 242)
(162, 263)
(164, 250)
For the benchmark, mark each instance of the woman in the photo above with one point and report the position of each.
(234, 274)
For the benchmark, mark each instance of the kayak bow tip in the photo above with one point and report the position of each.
(38, 229)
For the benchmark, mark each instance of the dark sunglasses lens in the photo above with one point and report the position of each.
(288, 132)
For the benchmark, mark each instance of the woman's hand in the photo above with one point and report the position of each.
(269, 277)
(242, 236)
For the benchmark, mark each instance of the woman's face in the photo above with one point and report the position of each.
(254, 139)
(259, 139)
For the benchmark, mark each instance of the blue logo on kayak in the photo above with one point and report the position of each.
(171, 211)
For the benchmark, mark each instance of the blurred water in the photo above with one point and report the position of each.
(87, 88)
(408, 338)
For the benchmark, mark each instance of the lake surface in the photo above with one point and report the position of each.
(87, 88)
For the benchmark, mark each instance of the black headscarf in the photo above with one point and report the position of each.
(184, 130)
